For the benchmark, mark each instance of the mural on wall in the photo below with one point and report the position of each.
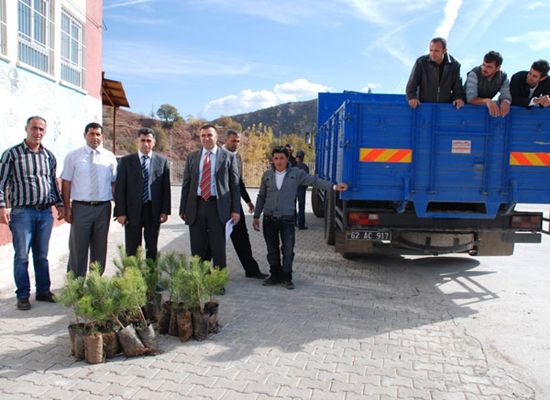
(66, 110)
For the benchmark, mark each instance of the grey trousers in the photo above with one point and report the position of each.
(88, 237)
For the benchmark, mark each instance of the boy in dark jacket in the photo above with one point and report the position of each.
(276, 199)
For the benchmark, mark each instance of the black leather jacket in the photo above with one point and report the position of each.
(424, 83)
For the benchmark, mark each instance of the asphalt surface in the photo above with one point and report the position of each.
(380, 327)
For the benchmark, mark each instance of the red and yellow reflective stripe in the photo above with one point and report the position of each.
(385, 155)
(530, 159)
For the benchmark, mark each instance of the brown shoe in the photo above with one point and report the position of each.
(48, 296)
(23, 304)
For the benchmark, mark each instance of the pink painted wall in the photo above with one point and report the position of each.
(93, 43)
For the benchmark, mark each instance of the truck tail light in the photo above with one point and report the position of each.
(527, 221)
(359, 218)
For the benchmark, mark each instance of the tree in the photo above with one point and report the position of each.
(168, 113)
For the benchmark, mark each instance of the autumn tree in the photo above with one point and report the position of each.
(169, 114)
(257, 144)
(299, 143)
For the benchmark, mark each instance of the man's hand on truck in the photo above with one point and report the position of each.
(341, 187)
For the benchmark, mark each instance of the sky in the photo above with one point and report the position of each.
(220, 57)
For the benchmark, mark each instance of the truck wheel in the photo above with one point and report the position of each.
(330, 223)
(317, 204)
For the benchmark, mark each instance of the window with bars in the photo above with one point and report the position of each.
(35, 34)
(3, 49)
(72, 50)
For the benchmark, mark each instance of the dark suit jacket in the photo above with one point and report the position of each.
(129, 187)
(242, 187)
(227, 186)
(520, 89)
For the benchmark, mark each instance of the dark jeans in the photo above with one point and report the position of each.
(31, 229)
(279, 230)
(301, 199)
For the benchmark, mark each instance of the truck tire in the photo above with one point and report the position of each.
(317, 204)
(330, 223)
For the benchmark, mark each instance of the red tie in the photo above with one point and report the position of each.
(206, 178)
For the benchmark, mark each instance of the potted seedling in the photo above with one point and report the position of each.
(96, 305)
(71, 292)
(132, 296)
(181, 287)
(215, 280)
(170, 264)
(151, 274)
(198, 295)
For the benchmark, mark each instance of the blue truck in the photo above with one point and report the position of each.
(433, 180)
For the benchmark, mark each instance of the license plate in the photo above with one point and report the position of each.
(369, 235)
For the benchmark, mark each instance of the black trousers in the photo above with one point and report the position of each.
(241, 243)
(207, 234)
(146, 227)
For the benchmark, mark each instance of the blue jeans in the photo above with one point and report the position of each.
(31, 229)
(274, 229)
(301, 199)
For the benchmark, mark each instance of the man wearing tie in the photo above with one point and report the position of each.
(88, 181)
(210, 196)
(142, 195)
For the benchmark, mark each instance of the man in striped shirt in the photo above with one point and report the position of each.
(28, 177)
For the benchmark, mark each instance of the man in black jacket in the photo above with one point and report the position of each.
(435, 78)
(531, 88)
(239, 236)
(142, 195)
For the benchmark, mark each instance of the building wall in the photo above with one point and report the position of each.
(26, 91)
(93, 37)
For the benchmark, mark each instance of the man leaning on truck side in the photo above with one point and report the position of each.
(435, 78)
(485, 81)
(531, 88)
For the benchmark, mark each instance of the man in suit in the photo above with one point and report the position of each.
(142, 195)
(531, 88)
(239, 236)
(210, 196)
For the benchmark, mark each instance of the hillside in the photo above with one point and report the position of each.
(298, 117)
(184, 136)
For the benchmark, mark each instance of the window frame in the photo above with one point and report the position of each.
(35, 34)
(72, 42)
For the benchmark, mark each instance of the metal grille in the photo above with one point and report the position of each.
(36, 34)
(72, 50)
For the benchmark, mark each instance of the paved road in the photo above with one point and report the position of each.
(373, 328)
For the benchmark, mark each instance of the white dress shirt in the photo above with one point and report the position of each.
(77, 169)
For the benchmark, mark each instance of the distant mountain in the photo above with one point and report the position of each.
(297, 117)
(182, 136)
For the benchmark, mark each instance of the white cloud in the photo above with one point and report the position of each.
(536, 40)
(251, 100)
(537, 4)
(125, 3)
(371, 86)
(451, 13)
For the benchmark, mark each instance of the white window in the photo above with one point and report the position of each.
(36, 34)
(72, 50)
(3, 49)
